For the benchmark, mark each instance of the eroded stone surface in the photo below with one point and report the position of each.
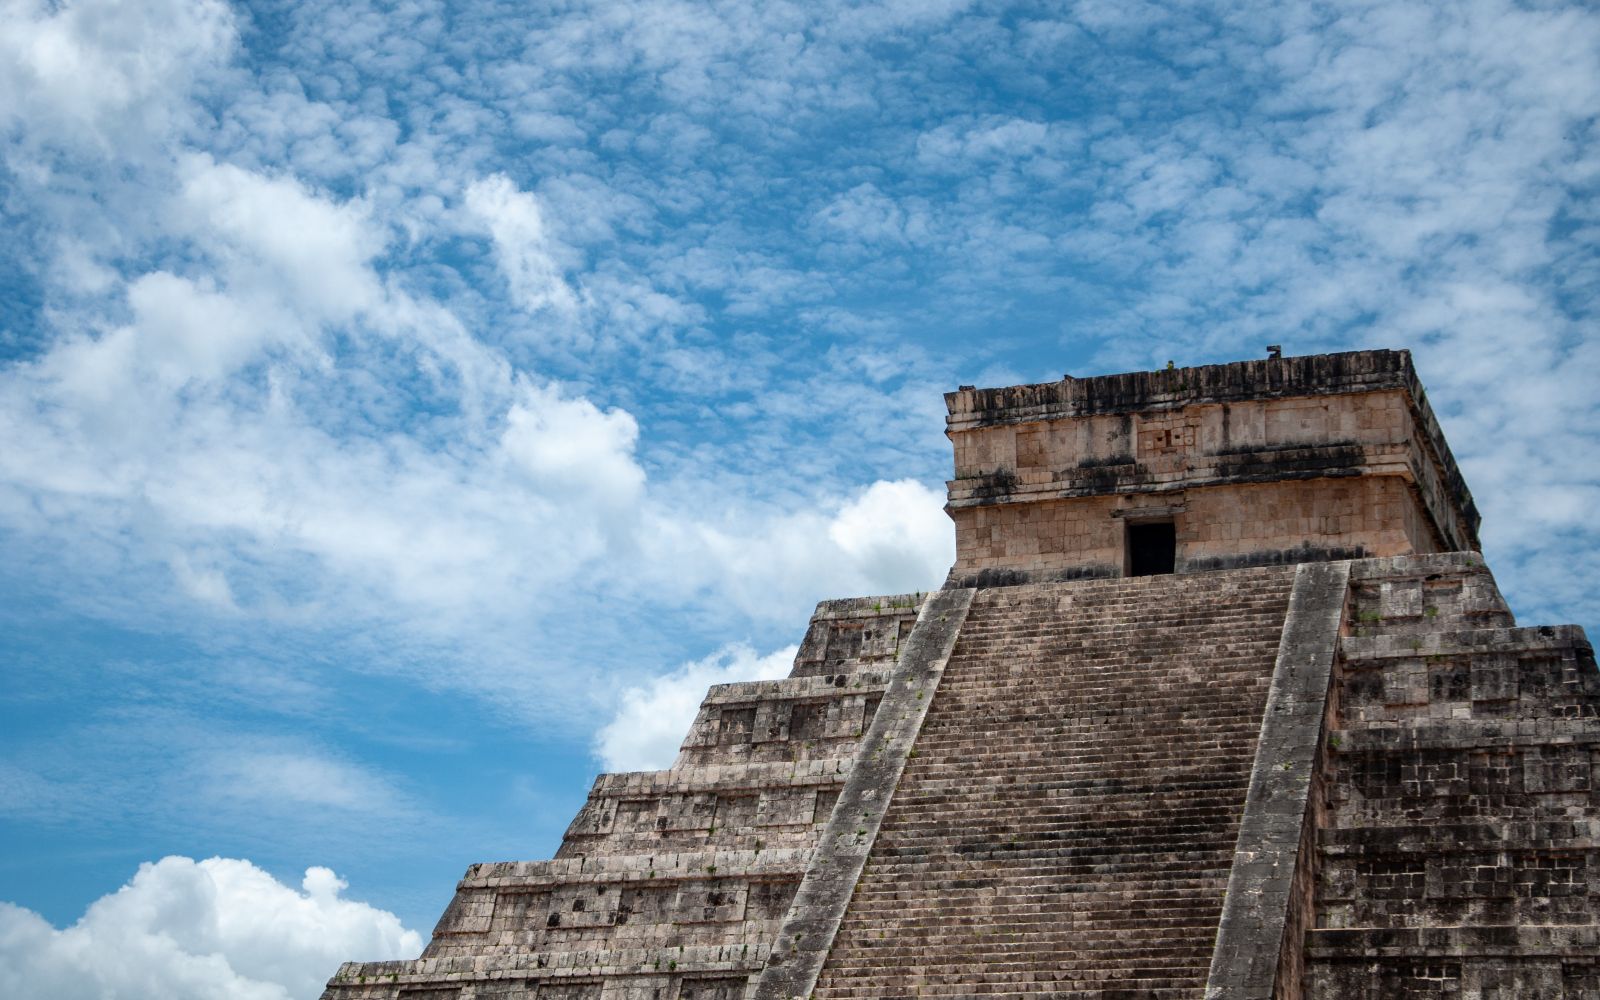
(1264, 914)
(1459, 853)
(812, 924)
(1333, 456)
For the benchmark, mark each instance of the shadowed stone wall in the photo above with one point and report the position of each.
(1460, 850)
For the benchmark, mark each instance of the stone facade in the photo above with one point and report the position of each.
(1255, 463)
(1457, 843)
(1315, 759)
(1220, 527)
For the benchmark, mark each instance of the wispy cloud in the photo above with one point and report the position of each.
(507, 358)
(290, 782)
(523, 248)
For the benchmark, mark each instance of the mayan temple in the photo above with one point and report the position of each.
(1219, 701)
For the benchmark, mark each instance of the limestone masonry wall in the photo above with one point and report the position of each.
(1266, 911)
(1460, 855)
(1256, 463)
(1222, 527)
(808, 931)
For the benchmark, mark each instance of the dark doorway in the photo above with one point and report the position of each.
(1152, 548)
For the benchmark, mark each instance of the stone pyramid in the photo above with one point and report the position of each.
(1218, 701)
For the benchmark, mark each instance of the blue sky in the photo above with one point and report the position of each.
(408, 409)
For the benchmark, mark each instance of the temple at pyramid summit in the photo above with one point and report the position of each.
(1219, 700)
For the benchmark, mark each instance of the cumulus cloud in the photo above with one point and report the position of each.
(651, 720)
(572, 449)
(892, 537)
(273, 234)
(197, 930)
(188, 329)
(896, 534)
(153, 413)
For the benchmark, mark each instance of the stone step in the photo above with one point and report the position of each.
(798, 718)
(1464, 642)
(632, 784)
(1086, 742)
(846, 637)
(1493, 833)
(700, 801)
(503, 874)
(557, 966)
(700, 899)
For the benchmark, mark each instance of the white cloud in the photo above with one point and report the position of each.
(279, 266)
(104, 71)
(573, 450)
(891, 538)
(276, 235)
(186, 329)
(651, 721)
(284, 781)
(526, 252)
(865, 214)
(199, 930)
(896, 535)
(953, 145)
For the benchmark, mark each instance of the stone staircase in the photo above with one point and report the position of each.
(1459, 852)
(671, 885)
(1067, 820)
(1068, 812)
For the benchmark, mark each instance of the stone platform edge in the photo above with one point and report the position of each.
(806, 935)
(1257, 956)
